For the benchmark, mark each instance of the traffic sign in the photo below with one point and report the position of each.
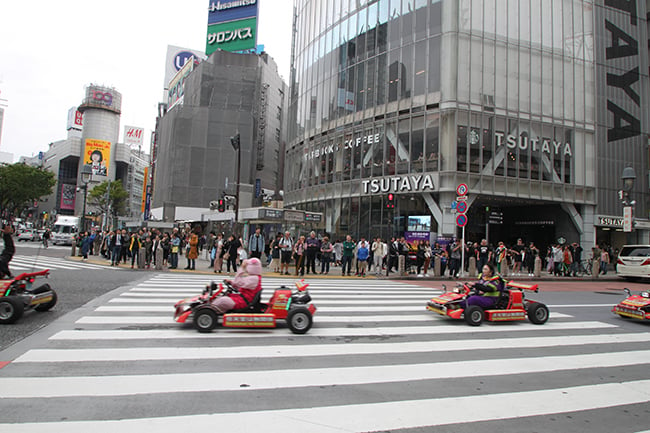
(453, 204)
(462, 189)
(461, 207)
(461, 220)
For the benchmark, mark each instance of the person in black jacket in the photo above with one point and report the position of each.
(8, 252)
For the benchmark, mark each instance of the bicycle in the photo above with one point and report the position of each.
(584, 268)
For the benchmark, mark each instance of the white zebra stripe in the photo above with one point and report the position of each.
(309, 350)
(67, 386)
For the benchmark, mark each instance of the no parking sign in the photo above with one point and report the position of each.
(461, 220)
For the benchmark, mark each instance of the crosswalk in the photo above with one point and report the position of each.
(375, 360)
(27, 263)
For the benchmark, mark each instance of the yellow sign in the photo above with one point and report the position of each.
(97, 154)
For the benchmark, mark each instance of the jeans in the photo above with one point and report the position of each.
(173, 260)
(115, 259)
(324, 264)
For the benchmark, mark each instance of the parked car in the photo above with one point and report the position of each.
(27, 235)
(633, 262)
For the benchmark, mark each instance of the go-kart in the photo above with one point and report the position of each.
(18, 295)
(634, 306)
(285, 304)
(510, 306)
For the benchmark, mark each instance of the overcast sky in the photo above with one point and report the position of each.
(50, 50)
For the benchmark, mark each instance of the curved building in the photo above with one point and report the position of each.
(416, 97)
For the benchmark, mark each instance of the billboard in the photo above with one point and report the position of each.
(102, 97)
(176, 87)
(133, 136)
(97, 153)
(177, 57)
(68, 193)
(232, 25)
(75, 119)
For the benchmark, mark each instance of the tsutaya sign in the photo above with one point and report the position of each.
(538, 144)
(405, 183)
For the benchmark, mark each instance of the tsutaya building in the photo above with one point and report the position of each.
(537, 106)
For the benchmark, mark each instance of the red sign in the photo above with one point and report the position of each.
(461, 220)
(462, 189)
(461, 207)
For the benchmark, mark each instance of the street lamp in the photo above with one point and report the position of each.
(628, 176)
(235, 142)
(86, 176)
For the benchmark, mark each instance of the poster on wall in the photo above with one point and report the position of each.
(97, 153)
(68, 193)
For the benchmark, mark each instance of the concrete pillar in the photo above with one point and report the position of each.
(74, 248)
(159, 259)
(595, 263)
(537, 270)
(472, 267)
(141, 258)
(436, 266)
(401, 264)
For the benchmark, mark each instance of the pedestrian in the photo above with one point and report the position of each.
(312, 247)
(256, 244)
(175, 248)
(604, 260)
(348, 254)
(377, 254)
(230, 254)
(274, 247)
(428, 254)
(326, 253)
(286, 251)
(193, 250)
(116, 242)
(363, 252)
(299, 255)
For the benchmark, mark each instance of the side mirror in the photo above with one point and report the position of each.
(627, 291)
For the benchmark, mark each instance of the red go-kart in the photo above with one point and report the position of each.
(634, 306)
(285, 304)
(510, 306)
(18, 295)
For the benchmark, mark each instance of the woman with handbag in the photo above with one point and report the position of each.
(230, 255)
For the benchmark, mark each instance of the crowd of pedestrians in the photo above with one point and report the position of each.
(304, 254)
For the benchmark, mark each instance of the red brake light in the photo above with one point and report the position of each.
(646, 262)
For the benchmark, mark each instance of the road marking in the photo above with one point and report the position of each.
(458, 328)
(68, 386)
(321, 349)
(375, 416)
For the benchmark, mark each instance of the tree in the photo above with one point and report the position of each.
(21, 185)
(109, 197)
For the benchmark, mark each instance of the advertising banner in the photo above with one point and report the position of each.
(75, 119)
(133, 136)
(232, 36)
(231, 10)
(177, 57)
(68, 194)
(97, 153)
(176, 92)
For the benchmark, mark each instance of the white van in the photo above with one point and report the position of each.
(65, 230)
(633, 261)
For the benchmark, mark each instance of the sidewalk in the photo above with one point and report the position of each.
(202, 268)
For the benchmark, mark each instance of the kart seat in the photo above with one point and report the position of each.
(255, 306)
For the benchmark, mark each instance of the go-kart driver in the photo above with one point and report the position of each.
(248, 281)
(7, 253)
(488, 288)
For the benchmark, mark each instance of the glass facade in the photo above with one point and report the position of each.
(414, 97)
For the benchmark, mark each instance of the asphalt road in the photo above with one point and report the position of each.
(74, 286)
(375, 360)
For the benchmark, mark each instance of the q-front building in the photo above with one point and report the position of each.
(536, 106)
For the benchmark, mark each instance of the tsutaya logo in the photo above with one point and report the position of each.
(348, 144)
(538, 144)
(410, 183)
(218, 6)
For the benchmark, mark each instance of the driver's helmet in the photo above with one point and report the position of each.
(253, 266)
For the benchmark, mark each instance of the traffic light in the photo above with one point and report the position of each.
(222, 205)
(390, 204)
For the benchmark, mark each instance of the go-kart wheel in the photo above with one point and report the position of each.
(205, 319)
(538, 313)
(48, 305)
(474, 315)
(11, 309)
(299, 320)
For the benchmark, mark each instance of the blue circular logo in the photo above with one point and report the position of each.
(181, 58)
